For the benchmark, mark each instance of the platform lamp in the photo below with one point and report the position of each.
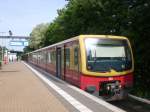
(10, 33)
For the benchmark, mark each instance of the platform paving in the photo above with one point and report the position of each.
(22, 91)
(64, 90)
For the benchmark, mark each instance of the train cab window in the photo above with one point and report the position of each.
(76, 56)
(67, 56)
(106, 54)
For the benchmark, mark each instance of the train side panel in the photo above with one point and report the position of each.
(72, 63)
(51, 61)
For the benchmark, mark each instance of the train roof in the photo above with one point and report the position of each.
(104, 36)
(59, 43)
(80, 36)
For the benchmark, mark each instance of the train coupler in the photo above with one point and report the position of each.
(110, 89)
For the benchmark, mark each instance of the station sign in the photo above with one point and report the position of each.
(18, 43)
(26, 43)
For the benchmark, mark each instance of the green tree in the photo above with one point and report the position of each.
(27, 49)
(37, 36)
(116, 17)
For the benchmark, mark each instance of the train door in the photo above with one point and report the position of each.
(63, 62)
(76, 65)
(58, 62)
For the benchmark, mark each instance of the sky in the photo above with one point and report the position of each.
(21, 16)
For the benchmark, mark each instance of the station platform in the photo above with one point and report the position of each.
(26, 88)
(22, 91)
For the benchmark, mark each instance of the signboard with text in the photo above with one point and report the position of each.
(18, 43)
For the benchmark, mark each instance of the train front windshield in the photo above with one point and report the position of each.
(104, 55)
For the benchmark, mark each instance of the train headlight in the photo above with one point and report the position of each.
(108, 87)
(120, 86)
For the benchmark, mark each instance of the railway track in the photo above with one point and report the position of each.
(132, 105)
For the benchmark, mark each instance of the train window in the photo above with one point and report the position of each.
(49, 57)
(106, 54)
(34, 57)
(39, 57)
(53, 57)
(76, 56)
(42, 57)
(67, 56)
(45, 57)
(62, 58)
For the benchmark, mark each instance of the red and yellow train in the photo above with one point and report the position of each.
(95, 63)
